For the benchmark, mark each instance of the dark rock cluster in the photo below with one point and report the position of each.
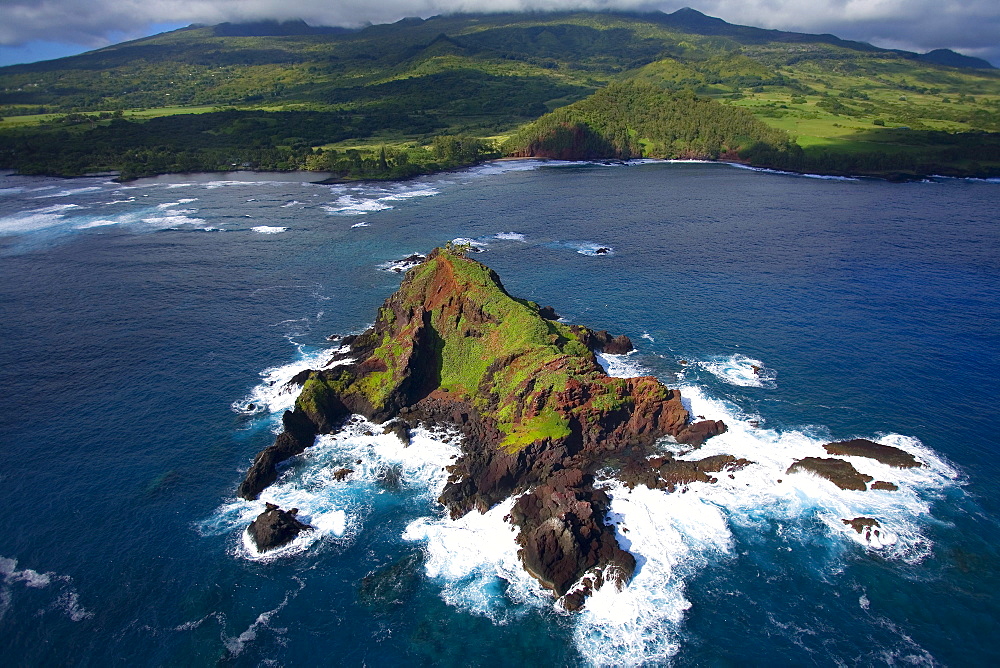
(275, 527)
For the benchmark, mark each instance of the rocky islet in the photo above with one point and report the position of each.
(538, 415)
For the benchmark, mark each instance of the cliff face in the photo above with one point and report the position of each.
(537, 411)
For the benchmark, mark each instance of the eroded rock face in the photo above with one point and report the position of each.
(536, 410)
(563, 535)
(275, 527)
(861, 447)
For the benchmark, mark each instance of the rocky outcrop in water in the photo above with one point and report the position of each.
(563, 535)
(275, 527)
(538, 414)
(861, 447)
(840, 473)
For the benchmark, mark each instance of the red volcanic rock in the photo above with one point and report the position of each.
(563, 535)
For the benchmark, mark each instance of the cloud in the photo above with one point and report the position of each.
(969, 26)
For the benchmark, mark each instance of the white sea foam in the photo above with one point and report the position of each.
(503, 166)
(30, 578)
(969, 179)
(361, 224)
(350, 205)
(410, 194)
(36, 220)
(474, 559)
(337, 509)
(276, 393)
(765, 170)
(672, 536)
(288, 204)
(742, 371)
(403, 264)
(622, 366)
(225, 183)
(171, 221)
(100, 222)
(475, 245)
(235, 645)
(754, 494)
(589, 248)
(168, 205)
(509, 236)
(67, 600)
(365, 201)
(269, 229)
(69, 192)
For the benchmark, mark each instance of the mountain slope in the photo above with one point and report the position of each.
(482, 75)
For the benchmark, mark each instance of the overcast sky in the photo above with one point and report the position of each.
(33, 30)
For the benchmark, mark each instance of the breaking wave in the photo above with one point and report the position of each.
(765, 170)
(742, 371)
(364, 201)
(509, 236)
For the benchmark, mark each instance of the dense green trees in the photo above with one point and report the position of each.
(639, 120)
(224, 141)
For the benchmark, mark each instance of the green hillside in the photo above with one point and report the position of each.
(471, 76)
(636, 119)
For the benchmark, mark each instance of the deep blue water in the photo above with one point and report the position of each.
(133, 319)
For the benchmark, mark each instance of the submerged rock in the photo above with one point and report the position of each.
(393, 584)
(275, 527)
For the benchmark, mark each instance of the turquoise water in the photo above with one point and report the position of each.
(139, 321)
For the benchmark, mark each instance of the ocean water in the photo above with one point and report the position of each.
(139, 322)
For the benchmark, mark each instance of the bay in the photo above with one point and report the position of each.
(137, 319)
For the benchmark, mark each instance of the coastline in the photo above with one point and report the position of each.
(328, 178)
